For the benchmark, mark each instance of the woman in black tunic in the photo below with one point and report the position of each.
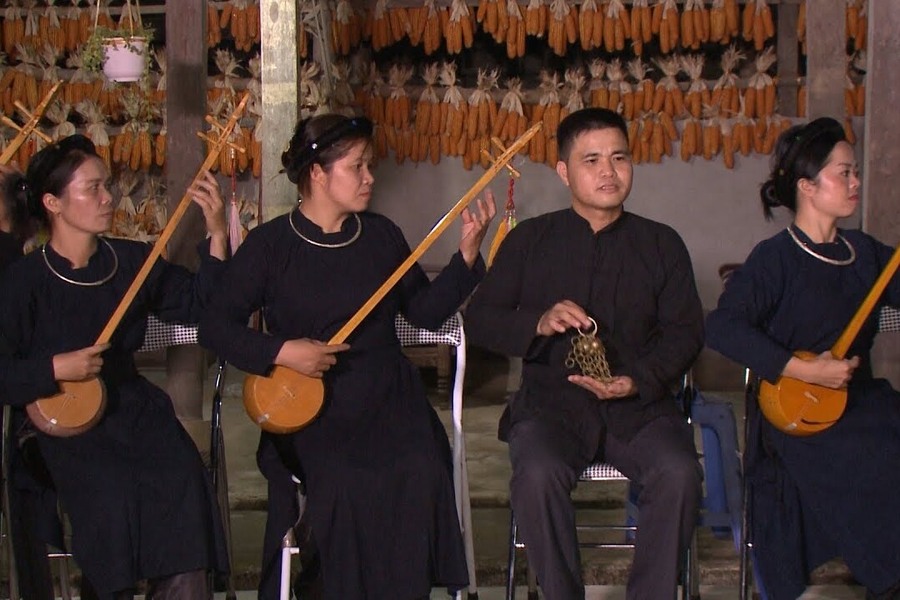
(376, 461)
(833, 493)
(134, 487)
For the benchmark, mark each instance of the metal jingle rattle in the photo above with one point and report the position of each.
(588, 354)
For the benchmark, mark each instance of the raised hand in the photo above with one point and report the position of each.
(475, 225)
(206, 194)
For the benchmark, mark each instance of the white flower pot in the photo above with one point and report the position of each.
(125, 58)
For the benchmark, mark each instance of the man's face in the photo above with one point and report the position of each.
(598, 172)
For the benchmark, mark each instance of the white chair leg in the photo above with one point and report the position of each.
(286, 553)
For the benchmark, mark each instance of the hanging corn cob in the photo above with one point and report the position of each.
(124, 221)
(454, 114)
(616, 26)
(587, 15)
(698, 94)
(668, 96)
(95, 128)
(726, 95)
(306, 11)
(432, 36)
(760, 95)
(32, 24)
(50, 29)
(511, 121)
(494, 18)
(641, 25)
(718, 30)
(58, 114)
(862, 27)
(599, 91)
(12, 16)
(152, 214)
(536, 17)
(860, 88)
(562, 28)
(369, 96)
(643, 88)
(618, 87)
(801, 26)
(214, 21)
(482, 110)
(851, 22)
(225, 81)
(732, 18)
(665, 24)
(697, 22)
(728, 142)
(397, 112)
(573, 93)
(712, 136)
(849, 133)
(346, 28)
(691, 138)
(757, 24)
(428, 115)
(458, 30)
(515, 35)
(24, 86)
(547, 110)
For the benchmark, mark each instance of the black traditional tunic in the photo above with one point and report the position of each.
(833, 493)
(376, 460)
(134, 486)
(634, 278)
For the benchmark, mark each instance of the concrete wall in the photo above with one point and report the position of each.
(716, 210)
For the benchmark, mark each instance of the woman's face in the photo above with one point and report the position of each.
(835, 190)
(85, 205)
(347, 182)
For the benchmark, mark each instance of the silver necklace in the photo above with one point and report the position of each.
(825, 259)
(321, 244)
(84, 283)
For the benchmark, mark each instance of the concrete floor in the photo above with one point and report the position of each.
(488, 464)
(486, 383)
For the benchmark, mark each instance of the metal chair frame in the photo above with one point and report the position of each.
(159, 335)
(605, 472)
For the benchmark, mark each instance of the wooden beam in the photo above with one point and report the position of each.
(280, 101)
(881, 179)
(186, 60)
(826, 58)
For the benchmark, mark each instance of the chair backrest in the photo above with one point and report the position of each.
(162, 335)
(888, 319)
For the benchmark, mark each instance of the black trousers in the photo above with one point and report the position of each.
(661, 459)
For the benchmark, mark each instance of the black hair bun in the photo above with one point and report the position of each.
(768, 194)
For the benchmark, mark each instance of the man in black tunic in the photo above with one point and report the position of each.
(552, 276)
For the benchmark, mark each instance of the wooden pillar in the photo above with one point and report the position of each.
(881, 203)
(186, 74)
(281, 107)
(826, 58)
(788, 59)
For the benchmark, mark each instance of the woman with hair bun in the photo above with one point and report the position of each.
(375, 463)
(134, 487)
(833, 493)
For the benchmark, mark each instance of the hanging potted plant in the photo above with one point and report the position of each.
(121, 54)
